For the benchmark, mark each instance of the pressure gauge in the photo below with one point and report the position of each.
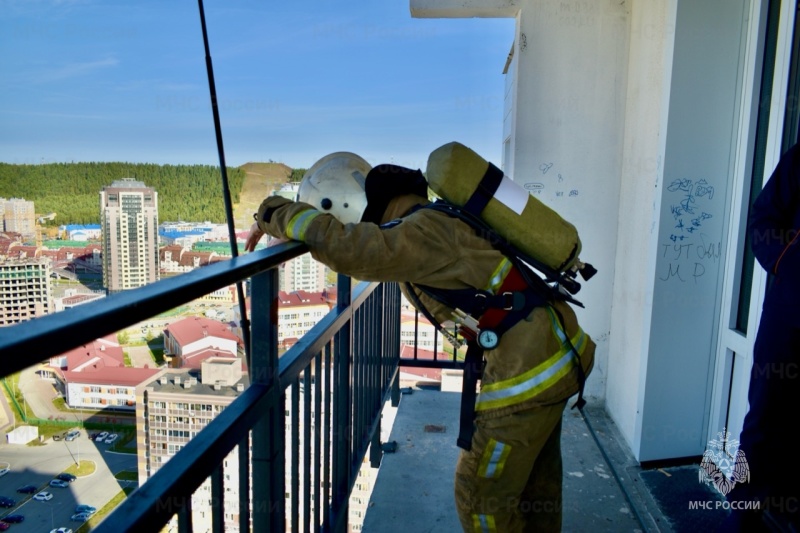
(488, 339)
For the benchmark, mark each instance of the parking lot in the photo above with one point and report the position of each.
(38, 465)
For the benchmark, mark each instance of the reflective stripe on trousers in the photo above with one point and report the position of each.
(528, 384)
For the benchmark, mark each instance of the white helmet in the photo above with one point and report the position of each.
(336, 184)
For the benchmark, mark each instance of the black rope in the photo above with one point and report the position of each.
(610, 464)
(226, 194)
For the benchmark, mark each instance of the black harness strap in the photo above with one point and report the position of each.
(473, 368)
(488, 185)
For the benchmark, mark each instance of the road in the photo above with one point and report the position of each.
(37, 465)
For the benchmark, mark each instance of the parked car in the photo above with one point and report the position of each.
(13, 518)
(61, 530)
(72, 435)
(4, 471)
(64, 476)
(83, 508)
(27, 489)
(4, 526)
(7, 502)
(60, 483)
(102, 436)
(111, 438)
(43, 496)
(80, 517)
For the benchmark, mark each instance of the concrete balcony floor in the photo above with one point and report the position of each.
(605, 488)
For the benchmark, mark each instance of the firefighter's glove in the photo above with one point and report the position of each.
(285, 219)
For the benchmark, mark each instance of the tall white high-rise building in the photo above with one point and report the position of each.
(303, 273)
(129, 219)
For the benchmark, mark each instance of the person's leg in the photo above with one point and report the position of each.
(774, 398)
(492, 477)
(541, 500)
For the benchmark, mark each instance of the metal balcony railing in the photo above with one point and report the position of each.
(336, 379)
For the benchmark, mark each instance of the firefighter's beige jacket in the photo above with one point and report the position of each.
(532, 365)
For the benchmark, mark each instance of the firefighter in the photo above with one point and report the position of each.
(372, 224)
(770, 499)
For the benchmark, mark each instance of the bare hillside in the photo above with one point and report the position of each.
(260, 181)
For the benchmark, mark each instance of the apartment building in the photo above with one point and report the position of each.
(298, 312)
(129, 220)
(416, 330)
(172, 407)
(25, 289)
(303, 273)
(19, 216)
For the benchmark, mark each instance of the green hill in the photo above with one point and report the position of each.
(191, 193)
(260, 180)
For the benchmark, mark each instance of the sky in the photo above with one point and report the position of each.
(86, 80)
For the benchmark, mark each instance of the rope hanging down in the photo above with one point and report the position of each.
(226, 194)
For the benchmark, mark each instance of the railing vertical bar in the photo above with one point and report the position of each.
(342, 421)
(185, 516)
(375, 452)
(294, 454)
(416, 334)
(394, 318)
(377, 360)
(358, 374)
(376, 352)
(244, 484)
(327, 428)
(268, 455)
(375, 342)
(308, 392)
(318, 427)
(218, 500)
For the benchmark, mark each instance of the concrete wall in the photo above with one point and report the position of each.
(646, 109)
(566, 135)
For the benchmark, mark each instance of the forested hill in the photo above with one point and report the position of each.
(72, 190)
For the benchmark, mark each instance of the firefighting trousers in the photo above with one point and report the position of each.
(510, 481)
(767, 438)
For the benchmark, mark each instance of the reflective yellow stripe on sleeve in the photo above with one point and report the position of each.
(296, 229)
(525, 386)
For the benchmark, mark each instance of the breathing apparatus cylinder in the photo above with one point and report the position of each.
(463, 178)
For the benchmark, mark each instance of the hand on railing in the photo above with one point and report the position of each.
(253, 238)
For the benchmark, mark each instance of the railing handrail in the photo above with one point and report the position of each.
(28, 343)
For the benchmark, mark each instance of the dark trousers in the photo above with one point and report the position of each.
(767, 437)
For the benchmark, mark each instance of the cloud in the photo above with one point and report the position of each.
(73, 70)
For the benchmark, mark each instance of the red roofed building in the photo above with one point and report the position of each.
(23, 252)
(173, 259)
(298, 312)
(188, 342)
(449, 379)
(94, 376)
(416, 330)
(9, 240)
(169, 258)
(414, 374)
